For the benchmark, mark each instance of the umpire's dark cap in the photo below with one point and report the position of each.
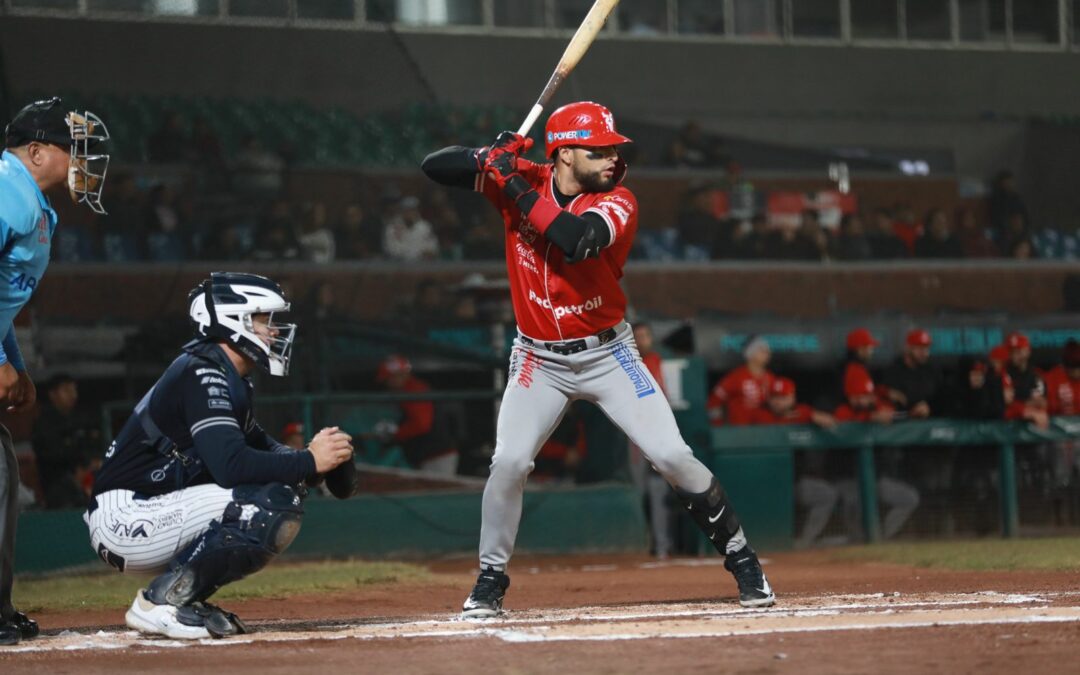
(44, 121)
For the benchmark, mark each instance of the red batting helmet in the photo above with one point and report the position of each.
(582, 123)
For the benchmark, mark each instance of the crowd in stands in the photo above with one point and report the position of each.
(700, 232)
(235, 201)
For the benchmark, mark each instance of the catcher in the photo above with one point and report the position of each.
(193, 488)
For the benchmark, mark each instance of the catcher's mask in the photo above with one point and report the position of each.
(223, 307)
(82, 133)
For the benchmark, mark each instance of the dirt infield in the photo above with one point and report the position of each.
(619, 614)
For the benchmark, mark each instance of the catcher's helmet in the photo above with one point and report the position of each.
(47, 121)
(582, 123)
(222, 308)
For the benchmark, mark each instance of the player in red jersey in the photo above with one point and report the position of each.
(742, 392)
(1063, 382)
(569, 225)
(783, 408)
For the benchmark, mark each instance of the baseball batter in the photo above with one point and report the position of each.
(569, 226)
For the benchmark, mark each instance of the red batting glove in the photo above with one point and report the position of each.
(515, 143)
(501, 165)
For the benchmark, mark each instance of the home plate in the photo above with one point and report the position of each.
(655, 621)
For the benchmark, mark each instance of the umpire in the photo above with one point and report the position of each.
(45, 146)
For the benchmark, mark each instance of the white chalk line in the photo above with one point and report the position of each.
(552, 625)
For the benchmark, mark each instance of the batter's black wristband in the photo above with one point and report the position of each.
(518, 189)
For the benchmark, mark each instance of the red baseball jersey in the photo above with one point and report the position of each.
(1062, 393)
(417, 416)
(552, 299)
(739, 393)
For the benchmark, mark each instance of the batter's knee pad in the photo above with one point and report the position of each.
(713, 513)
(260, 522)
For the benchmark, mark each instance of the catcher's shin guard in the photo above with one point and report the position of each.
(260, 522)
(714, 514)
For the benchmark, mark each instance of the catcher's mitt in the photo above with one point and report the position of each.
(343, 481)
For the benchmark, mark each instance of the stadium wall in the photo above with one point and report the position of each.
(968, 99)
(373, 291)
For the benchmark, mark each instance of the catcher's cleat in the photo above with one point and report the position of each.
(754, 589)
(181, 623)
(219, 622)
(486, 598)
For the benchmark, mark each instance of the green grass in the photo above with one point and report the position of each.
(984, 554)
(104, 591)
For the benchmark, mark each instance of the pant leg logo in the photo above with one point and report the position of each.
(643, 386)
(139, 528)
(528, 366)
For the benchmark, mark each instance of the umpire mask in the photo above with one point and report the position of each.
(83, 133)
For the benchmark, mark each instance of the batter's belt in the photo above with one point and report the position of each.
(574, 346)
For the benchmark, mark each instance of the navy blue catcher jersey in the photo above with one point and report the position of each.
(196, 426)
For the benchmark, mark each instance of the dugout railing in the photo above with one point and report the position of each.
(755, 463)
(758, 456)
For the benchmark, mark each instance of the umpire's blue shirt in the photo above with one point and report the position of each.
(27, 223)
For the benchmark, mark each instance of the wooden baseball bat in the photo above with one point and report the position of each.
(579, 44)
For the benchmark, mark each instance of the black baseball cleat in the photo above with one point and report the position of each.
(486, 598)
(754, 589)
(18, 627)
(9, 634)
(28, 628)
(218, 622)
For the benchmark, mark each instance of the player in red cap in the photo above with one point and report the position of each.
(292, 435)
(910, 382)
(1063, 382)
(783, 408)
(860, 395)
(1025, 380)
(424, 437)
(569, 224)
(862, 404)
(1028, 389)
(741, 394)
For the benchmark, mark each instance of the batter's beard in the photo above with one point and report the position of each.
(593, 181)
